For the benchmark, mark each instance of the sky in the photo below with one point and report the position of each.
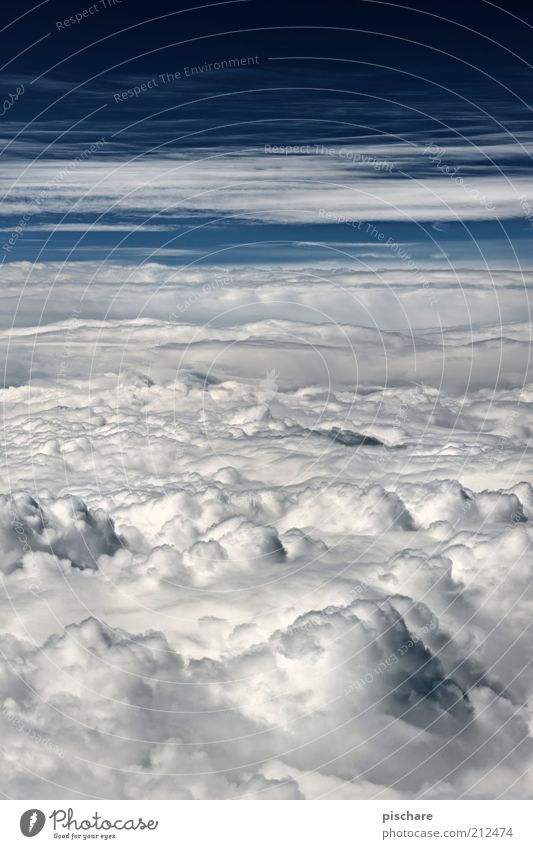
(265, 335)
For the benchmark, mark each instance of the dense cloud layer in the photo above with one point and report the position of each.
(278, 185)
(208, 593)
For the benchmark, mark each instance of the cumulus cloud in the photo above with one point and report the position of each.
(210, 594)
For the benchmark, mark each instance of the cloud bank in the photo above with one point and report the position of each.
(264, 560)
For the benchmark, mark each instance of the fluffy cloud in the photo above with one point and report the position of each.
(208, 594)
